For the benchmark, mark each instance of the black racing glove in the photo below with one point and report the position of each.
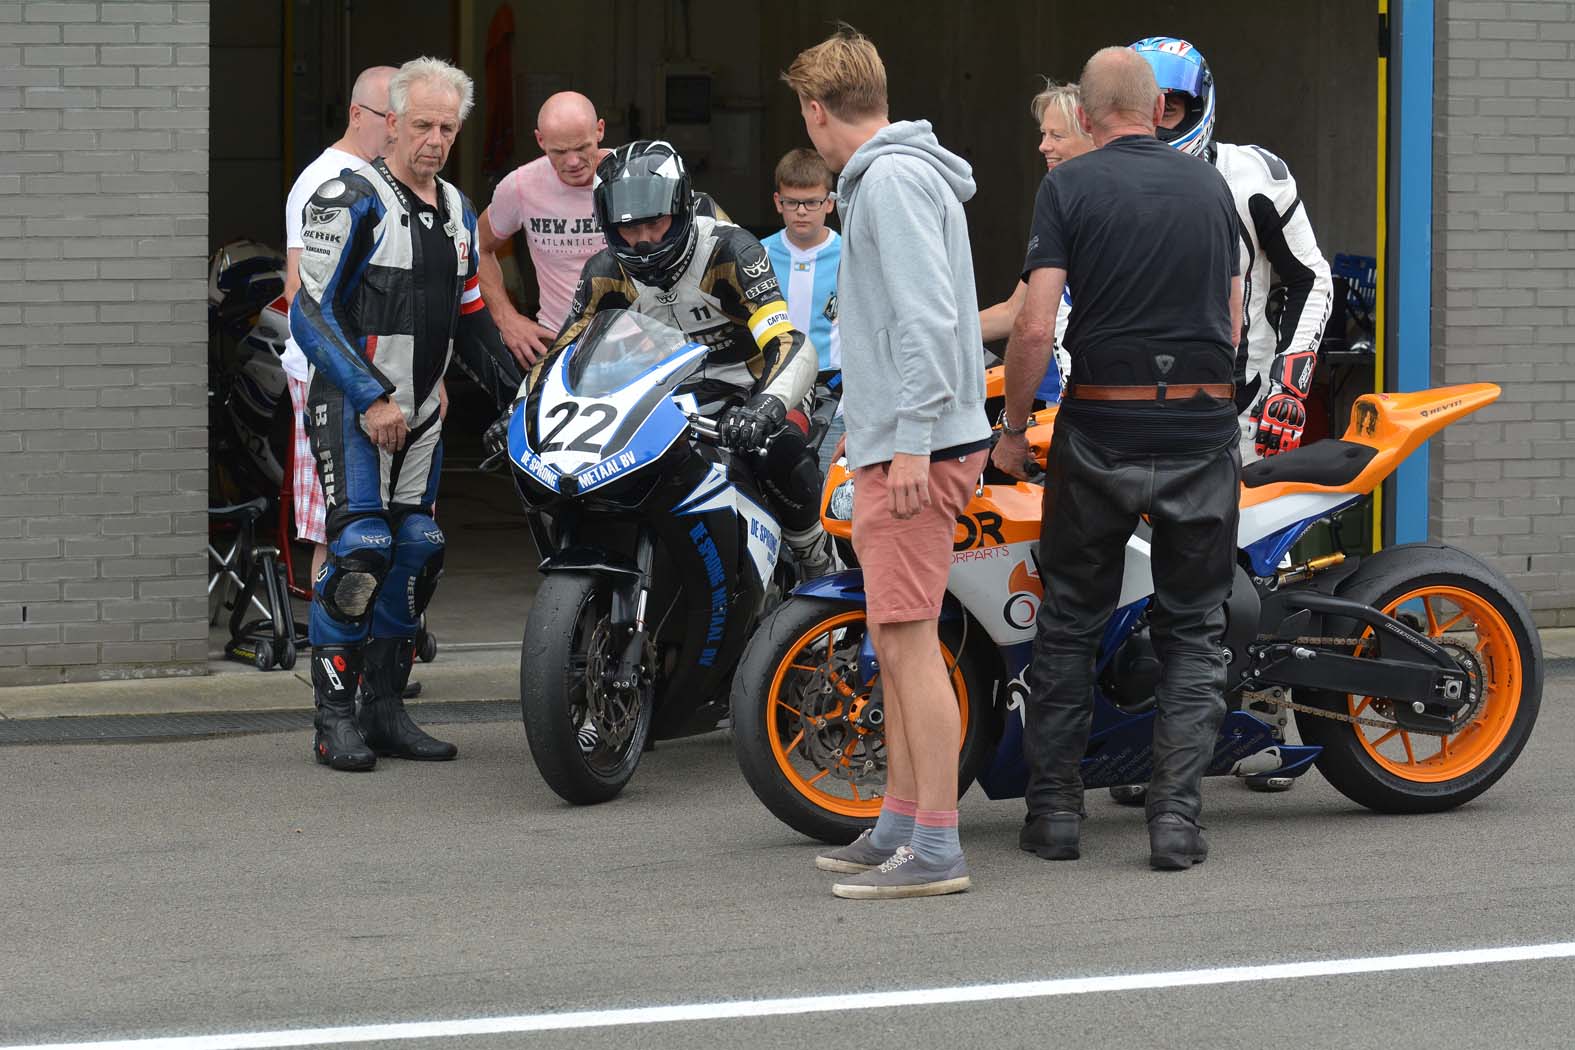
(747, 427)
(495, 439)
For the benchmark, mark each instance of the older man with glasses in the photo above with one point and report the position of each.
(366, 138)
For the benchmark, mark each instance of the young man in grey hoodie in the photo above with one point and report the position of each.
(917, 438)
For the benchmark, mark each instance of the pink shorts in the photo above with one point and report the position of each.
(305, 490)
(906, 561)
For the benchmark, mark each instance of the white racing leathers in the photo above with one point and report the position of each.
(1277, 245)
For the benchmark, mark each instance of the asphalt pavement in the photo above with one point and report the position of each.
(229, 885)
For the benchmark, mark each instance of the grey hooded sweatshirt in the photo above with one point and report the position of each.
(912, 355)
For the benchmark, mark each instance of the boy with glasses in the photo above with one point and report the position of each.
(805, 256)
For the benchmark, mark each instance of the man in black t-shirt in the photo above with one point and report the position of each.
(1147, 426)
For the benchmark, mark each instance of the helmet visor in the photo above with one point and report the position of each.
(1176, 72)
(635, 198)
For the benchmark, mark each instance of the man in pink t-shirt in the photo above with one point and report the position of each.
(550, 199)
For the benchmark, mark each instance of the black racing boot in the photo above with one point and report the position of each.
(1052, 836)
(336, 671)
(384, 722)
(1175, 843)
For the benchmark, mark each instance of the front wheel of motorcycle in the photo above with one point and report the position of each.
(802, 725)
(585, 736)
(1470, 610)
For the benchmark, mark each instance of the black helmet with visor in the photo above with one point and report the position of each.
(637, 183)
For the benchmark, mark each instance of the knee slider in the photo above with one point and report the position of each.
(358, 561)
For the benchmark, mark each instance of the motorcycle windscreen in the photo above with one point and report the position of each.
(618, 347)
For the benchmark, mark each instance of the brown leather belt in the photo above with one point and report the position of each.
(1161, 392)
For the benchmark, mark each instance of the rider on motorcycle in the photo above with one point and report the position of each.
(667, 258)
(1274, 369)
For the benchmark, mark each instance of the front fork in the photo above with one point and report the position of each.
(628, 613)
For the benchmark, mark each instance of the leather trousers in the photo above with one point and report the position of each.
(1093, 500)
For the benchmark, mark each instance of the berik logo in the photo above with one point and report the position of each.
(316, 216)
(667, 298)
(426, 219)
(755, 269)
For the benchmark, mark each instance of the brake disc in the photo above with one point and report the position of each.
(829, 731)
(614, 712)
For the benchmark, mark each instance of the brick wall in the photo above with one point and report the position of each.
(103, 419)
(1504, 304)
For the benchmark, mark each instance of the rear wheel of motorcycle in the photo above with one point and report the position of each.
(568, 640)
(827, 780)
(1468, 607)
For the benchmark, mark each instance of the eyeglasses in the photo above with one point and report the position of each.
(811, 205)
(369, 109)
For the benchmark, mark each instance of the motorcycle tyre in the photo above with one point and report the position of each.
(751, 740)
(545, 701)
(1345, 763)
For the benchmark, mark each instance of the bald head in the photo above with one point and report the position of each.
(569, 133)
(567, 111)
(1118, 90)
(371, 87)
(367, 132)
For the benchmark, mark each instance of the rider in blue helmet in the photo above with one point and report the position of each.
(1274, 365)
(1184, 77)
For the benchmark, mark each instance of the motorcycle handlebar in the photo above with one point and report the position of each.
(705, 429)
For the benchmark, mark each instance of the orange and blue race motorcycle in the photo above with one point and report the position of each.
(1413, 674)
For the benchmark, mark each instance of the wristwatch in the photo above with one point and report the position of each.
(1007, 428)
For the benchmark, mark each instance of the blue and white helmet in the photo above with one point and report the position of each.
(1178, 66)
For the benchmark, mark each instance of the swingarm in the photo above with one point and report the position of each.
(1425, 685)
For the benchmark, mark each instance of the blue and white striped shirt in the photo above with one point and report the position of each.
(809, 284)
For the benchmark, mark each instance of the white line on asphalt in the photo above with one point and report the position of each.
(810, 1004)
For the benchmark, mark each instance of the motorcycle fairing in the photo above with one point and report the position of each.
(762, 534)
(642, 415)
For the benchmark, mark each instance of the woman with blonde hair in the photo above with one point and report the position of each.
(1061, 138)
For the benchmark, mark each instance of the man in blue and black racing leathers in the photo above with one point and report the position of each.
(388, 292)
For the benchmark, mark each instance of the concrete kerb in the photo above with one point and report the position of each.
(480, 673)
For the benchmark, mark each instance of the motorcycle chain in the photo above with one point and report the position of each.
(1268, 697)
(1277, 697)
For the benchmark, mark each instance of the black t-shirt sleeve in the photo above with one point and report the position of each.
(1047, 237)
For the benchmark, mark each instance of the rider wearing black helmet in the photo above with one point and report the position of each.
(671, 254)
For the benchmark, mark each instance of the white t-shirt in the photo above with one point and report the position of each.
(328, 166)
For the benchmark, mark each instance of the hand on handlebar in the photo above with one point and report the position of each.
(747, 427)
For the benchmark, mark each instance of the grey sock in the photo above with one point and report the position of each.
(936, 844)
(892, 829)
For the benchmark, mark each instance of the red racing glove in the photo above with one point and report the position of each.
(1282, 415)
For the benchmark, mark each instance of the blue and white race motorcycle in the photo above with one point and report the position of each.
(659, 554)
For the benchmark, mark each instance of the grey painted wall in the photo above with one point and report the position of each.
(103, 439)
(1504, 299)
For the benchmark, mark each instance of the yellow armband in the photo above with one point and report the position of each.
(768, 322)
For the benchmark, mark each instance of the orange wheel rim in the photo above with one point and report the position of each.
(1456, 618)
(811, 664)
